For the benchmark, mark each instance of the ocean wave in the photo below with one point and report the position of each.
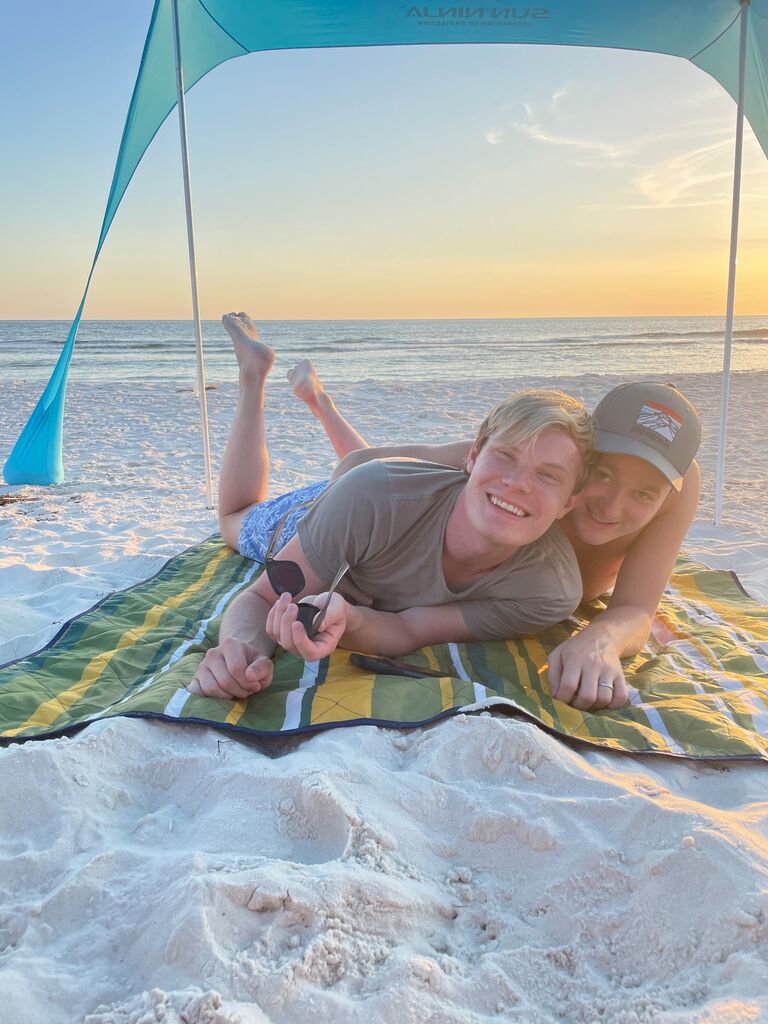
(747, 332)
(679, 340)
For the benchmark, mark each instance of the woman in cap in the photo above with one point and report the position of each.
(626, 529)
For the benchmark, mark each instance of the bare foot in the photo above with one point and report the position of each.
(253, 356)
(306, 385)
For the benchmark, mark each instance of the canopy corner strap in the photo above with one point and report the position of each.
(219, 30)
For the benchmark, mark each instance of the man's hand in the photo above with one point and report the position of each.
(579, 666)
(234, 670)
(284, 629)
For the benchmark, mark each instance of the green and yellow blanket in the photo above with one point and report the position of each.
(700, 688)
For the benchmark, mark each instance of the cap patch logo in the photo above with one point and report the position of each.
(660, 421)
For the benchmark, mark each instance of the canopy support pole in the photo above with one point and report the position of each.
(732, 262)
(192, 261)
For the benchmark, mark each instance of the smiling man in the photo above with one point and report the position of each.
(438, 554)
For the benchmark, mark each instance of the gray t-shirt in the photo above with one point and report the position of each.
(388, 518)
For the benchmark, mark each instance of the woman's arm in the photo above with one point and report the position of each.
(592, 655)
(454, 453)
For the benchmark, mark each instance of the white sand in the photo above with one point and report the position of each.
(479, 869)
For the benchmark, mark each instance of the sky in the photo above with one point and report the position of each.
(450, 181)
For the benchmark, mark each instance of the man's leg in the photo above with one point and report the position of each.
(307, 386)
(245, 468)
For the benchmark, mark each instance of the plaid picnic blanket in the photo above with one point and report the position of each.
(700, 687)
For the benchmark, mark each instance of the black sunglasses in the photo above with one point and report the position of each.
(286, 577)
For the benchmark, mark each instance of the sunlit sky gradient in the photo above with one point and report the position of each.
(453, 181)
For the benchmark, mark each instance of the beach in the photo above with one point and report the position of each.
(476, 869)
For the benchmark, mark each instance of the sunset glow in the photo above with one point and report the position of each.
(392, 182)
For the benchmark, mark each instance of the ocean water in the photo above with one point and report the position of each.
(395, 350)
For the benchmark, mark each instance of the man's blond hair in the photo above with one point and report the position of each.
(522, 417)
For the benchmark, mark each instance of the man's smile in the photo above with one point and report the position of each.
(508, 507)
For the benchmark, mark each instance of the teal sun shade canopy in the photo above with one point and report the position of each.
(705, 32)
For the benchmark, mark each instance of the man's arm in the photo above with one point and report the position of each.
(372, 632)
(593, 655)
(241, 662)
(394, 633)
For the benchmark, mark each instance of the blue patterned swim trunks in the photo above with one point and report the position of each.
(259, 525)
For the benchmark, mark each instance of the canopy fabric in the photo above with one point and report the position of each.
(705, 32)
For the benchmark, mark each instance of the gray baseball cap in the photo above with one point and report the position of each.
(652, 421)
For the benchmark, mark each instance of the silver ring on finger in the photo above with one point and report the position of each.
(609, 685)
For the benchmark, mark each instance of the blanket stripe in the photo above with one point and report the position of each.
(700, 687)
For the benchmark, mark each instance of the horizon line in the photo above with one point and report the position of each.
(386, 319)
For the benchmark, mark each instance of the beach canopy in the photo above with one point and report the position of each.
(710, 33)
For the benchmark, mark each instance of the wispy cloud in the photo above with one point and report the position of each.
(674, 182)
(560, 94)
(709, 94)
(686, 183)
(540, 125)
(533, 116)
(495, 136)
(684, 179)
(606, 150)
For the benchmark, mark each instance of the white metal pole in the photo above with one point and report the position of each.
(192, 263)
(732, 263)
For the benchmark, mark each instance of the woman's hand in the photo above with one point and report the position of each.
(284, 629)
(585, 671)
